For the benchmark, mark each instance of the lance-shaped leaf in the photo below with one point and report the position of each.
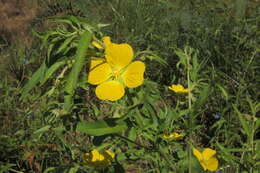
(76, 69)
(37, 77)
(52, 69)
(102, 127)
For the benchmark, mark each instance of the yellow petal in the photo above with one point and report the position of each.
(118, 55)
(99, 71)
(111, 154)
(133, 76)
(197, 154)
(97, 45)
(212, 164)
(108, 156)
(178, 89)
(172, 135)
(208, 153)
(111, 90)
(96, 156)
(166, 136)
(204, 165)
(185, 91)
(106, 41)
(177, 135)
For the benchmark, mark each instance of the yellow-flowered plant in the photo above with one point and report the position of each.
(172, 135)
(98, 159)
(207, 159)
(116, 71)
(97, 45)
(178, 88)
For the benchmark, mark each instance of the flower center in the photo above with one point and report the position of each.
(115, 74)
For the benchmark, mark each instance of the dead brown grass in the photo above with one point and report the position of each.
(15, 19)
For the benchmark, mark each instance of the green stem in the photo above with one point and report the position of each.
(191, 116)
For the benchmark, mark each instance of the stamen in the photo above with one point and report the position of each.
(115, 74)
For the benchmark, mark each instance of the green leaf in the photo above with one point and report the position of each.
(224, 92)
(74, 169)
(37, 77)
(40, 131)
(132, 136)
(52, 69)
(49, 169)
(65, 44)
(102, 127)
(226, 155)
(243, 121)
(153, 57)
(153, 114)
(257, 123)
(182, 56)
(70, 20)
(202, 98)
(77, 66)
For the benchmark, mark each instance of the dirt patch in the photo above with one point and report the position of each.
(15, 19)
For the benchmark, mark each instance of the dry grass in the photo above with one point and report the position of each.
(15, 31)
(15, 19)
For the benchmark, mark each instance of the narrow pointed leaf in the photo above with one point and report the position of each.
(37, 76)
(243, 121)
(52, 69)
(101, 127)
(76, 69)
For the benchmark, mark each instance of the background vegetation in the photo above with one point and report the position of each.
(221, 38)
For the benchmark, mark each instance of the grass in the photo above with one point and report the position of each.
(214, 43)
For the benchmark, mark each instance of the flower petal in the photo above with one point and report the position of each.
(177, 135)
(197, 154)
(106, 41)
(178, 88)
(108, 155)
(133, 76)
(93, 156)
(208, 153)
(118, 55)
(111, 154)
(97, 45)
(99, 71)
(166, 136)
(172, 135)
(204, 165)
(212, 164)
(111, 90)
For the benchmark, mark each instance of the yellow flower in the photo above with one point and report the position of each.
(98, 159)
(172, 135)
(97, 45)
(178, 89)
(116, 71)
(207, 159)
